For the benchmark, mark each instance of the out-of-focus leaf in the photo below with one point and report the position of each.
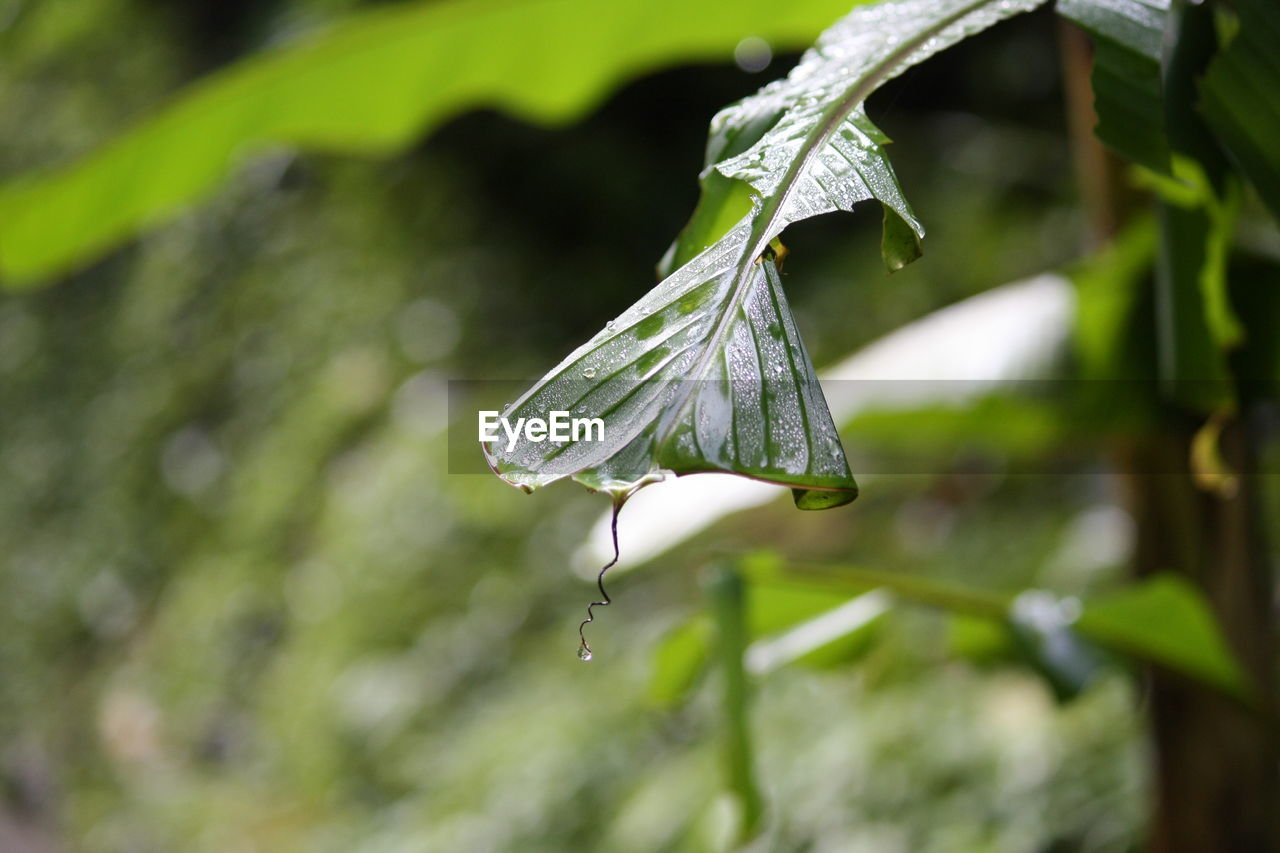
(680, 659)
(794, 619)
(1256, 293)
(853, 580)
(1241, 97)
(1128, 92)
(1039, 633)
(1165, 620)
(370, 84)
(1162, 620)
(831, 637)
(729, 594)
(1043, 625)
(782, 600)
(1192, 42)
(776, 606)
(1195, 323)
(707, 371)
(979, 640)
(1000, 422)
(1110, 285)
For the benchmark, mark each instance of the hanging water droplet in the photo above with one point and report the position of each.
(584, 653)
(589, 373)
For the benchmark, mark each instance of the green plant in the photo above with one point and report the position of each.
(708, 372)
(716, 377)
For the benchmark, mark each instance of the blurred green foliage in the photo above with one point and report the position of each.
(367, 85)
(248, 607)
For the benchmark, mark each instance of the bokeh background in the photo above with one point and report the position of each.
(246, 606)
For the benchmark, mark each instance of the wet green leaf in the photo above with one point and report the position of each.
(899, 242)
(707, 372)
(703, 374)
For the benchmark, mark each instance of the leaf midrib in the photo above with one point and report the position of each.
(770, 212)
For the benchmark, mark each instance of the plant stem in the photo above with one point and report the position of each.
(728, 595)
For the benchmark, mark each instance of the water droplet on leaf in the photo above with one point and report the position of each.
(589, 373)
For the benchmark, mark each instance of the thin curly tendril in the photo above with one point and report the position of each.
(584, 648)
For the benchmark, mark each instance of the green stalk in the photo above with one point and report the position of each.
(728, 605)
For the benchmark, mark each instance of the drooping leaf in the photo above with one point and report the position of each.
(1127, 89)
(700, 375)
(707, 371)
(1241, 97)
(1166, 620)
(370, 84)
